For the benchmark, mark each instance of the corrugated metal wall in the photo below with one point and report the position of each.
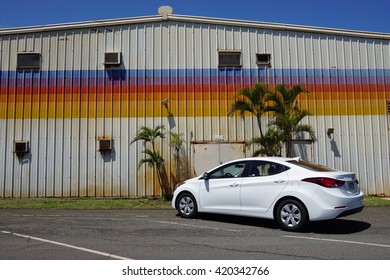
(64, 107)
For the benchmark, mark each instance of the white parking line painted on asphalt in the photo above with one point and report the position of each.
(196, 226)
(66, 245)
(339, 241)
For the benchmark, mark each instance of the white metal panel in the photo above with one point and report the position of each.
(180, 46)
(91, 158)
(209, 155)
(197, 46)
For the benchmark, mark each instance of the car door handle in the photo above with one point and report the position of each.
(279, 181)
(234, 185)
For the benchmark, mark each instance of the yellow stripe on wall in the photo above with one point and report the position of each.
(108, 106)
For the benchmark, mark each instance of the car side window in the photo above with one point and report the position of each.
(233, 170)
(265, 168)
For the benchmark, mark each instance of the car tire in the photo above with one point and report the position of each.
(291, 215)
(186, 205)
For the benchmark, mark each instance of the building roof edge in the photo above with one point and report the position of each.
(196, 19)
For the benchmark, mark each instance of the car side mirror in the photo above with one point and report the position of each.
(205, 176)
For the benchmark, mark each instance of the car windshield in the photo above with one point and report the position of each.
(311, 166)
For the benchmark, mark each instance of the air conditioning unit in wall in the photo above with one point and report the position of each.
(21, 146)
(112, 58)
(263, 59)
(105, 144)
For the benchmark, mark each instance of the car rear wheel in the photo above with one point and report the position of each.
(186, 205)
(291, 215)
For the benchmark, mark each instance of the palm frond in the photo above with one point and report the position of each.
(152, 158)
(250, 100)
(176, 141)
(242, 107)
(148, 134)
(270, 144)
(308, 129)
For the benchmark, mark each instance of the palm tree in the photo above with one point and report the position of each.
(288, 115)
(176, 142)
(152, 156)
(251, 101)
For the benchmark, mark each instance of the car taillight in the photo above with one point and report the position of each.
(325, 182)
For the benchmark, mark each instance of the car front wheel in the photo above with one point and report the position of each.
(291, 215)
(186, 205)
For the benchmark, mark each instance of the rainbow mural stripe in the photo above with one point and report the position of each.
(192, 92)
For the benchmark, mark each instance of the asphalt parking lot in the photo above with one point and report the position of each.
(162, 235)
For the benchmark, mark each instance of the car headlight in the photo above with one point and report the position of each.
(179, 184)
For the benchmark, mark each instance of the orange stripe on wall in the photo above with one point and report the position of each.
(163, 89)
(107, 105)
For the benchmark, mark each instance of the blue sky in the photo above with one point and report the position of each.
(362, 15)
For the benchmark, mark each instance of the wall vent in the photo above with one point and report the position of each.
(263, 59)
(105, 144)
(229, 59)
(28, 61)
(21, 147)
(112, 58)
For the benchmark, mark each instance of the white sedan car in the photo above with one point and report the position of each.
(288, 190)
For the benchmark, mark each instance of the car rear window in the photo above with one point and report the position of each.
(311, 166)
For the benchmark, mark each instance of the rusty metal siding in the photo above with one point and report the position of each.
(64, 107)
